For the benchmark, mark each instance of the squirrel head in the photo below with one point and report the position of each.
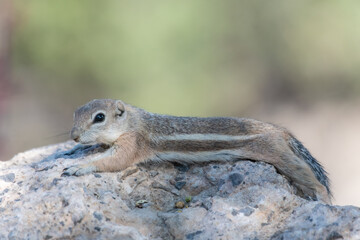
(100, 121)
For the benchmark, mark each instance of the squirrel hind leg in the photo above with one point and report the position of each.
(303, 178)
(315, 192)
(323, 195)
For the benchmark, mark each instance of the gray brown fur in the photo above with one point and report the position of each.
(168, 125)
(136, 136)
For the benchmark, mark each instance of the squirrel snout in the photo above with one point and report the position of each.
(75, 134)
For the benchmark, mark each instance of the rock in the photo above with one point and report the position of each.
(179, 185)
(98, 216)
(10, 177)
(236, 179)
(181, 167)
(180, 204)
(241, 200)
(141, 203)
(247, 211)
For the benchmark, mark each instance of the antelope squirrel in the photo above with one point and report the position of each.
(134, 135)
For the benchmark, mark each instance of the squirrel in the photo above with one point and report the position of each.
(135, 135)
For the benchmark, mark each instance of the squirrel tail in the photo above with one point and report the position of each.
(300, 151)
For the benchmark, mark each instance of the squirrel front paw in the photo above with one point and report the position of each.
(78, 170)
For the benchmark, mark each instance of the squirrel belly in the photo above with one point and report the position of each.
(136, 136)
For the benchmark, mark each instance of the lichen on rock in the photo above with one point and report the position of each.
(236, 200)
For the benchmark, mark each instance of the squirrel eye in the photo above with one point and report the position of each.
(100, 117)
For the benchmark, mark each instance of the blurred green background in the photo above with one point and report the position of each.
(295, 63)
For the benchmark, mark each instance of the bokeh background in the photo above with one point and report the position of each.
(293, 63)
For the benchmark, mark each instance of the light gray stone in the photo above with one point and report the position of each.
(10, 177)
(241, 200)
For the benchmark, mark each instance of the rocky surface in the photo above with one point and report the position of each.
(241, 200)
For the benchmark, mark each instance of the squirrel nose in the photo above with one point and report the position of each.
(75, 134)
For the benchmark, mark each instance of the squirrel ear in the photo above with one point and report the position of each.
(120, 108)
